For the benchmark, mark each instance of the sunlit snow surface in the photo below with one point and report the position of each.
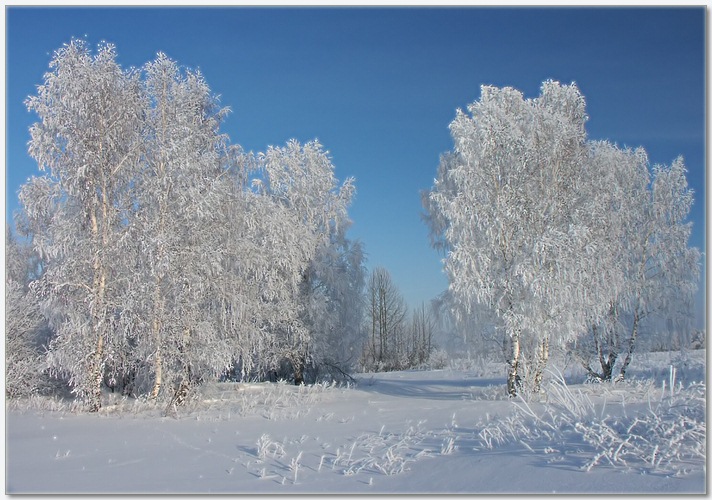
(400, 432)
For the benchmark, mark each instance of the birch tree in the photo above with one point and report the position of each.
(274, 268)
(179, 255)
(169, 255)
(662, 269)
(653, 271)
(334, 305)
(245, 285)
(87, 141)
(300, 179)
(507, 207)
(618, 181)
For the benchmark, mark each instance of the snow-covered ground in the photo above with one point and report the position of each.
(445, 431)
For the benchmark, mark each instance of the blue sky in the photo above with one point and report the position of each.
(379, 86)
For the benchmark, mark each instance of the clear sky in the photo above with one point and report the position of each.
(379, 86)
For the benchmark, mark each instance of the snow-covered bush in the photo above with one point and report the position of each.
(438, 359)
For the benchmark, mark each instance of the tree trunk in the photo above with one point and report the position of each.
(299, 372)
(541, 362)
(513, 379)
(158, 309)
(156, 327)
(631, 345)
(95, 370)
(607, 362)
(180, 396)
(181, 393)
(373, 326)
(158, 359)
(637, 313)
(158, 372)
(383, 325)
(607, 367)
(97, 376)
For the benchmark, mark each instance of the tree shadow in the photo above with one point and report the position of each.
(438, 389)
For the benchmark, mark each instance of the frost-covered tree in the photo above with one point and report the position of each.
(662, 270)
(273, 262)
(169, 255)
(652, 271)
(289, 269)
(548, 235)
(177, 194)
(300, 180)
(26, 331)
(87, 141)
(245, 285)
(333, 292)
(618, 181)
(509, 209)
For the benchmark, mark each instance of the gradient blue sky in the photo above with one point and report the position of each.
(379, 86)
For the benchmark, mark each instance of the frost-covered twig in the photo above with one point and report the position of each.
(294, 466)
(265, 447)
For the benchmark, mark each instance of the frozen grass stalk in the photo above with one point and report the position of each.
(294, 466)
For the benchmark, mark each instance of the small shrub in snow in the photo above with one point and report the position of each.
(266, 447)
(438, 359)
(384, 452)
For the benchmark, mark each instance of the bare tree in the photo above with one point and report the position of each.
(386, 313)
(421, 335)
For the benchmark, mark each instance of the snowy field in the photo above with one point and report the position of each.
(445, 431)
